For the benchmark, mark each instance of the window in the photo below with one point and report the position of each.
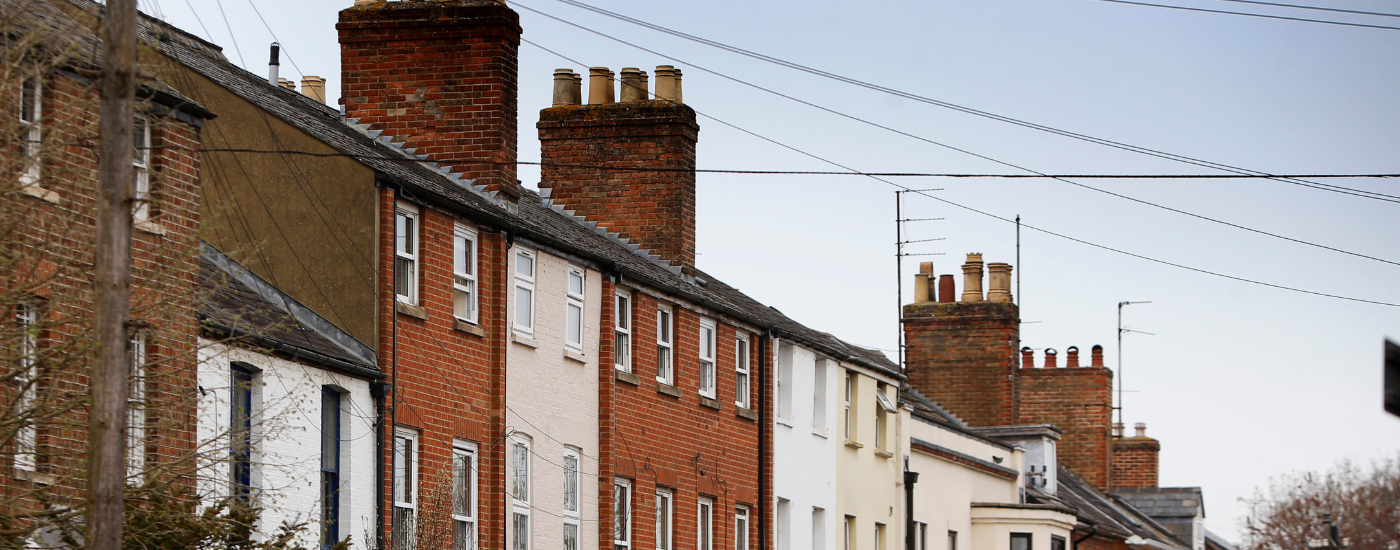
(330, 466)
(879, 536)
(703, 524)
(784, 384)
(520, 493)
(707, 358)
(848, 529)
(850, 431)
(1057, 542)
(952, 540)
(571, 500)
(818, 529)
(405, 489)
(819, 396)
(622, 514)
(923, 536)
(664, 371)
(141, 171)
(525, 291)
(136, 409)
(463, 496)
(30, 111)
(741, 372)
(882, 411)
(783, 525)
(622, 332)
(573, 332)
(741, 528)
(663, 520)
(241, 433)
(522, 530)
(1020, 541)
(406, 253)
(26, 437)
(464, 273)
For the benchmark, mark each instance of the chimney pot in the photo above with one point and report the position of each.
(314, 87)
(1050, 354)
(273, 63)
(287, 84)
(946, 291)
(665, 82)
(679, 95)
(612, 87)
(632, 89)
(920, 288)
(1096, 356)
(563, 87)
(926, 268)
(598, 84)
(1141, 428)
(645, 86)
(1027, 358)
(1072, 361)
(576, 94)
(972, 278)
(1117, 429)
(999, 283)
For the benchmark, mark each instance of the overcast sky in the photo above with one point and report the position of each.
(1240, 382)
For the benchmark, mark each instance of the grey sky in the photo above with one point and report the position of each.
(1240, 383)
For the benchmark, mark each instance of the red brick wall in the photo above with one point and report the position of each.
(655, 209)
(1135, 462)
(1078, 401)
(655, 439)
(449, 383)
(440, 76)
(961, 355)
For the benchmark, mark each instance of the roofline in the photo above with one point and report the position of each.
(219, 331)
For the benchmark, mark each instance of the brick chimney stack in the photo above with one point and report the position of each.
(439, 77)
(651, 202)
(1135, 459)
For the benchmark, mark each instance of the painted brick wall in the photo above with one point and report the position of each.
(655, 209)
(1135, 462)
(960, 354)
(440, 76)
(1078, 401)
(657, 440)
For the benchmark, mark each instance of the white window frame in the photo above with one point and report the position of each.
(818, 528)
(706, 351)
(665, 517)
(410, 477)
(33, 131)
(850, 431)
(525, 282)
(741, 528)
(141, 171)
(572, 483)
(622, 513)
(464, 270)
(622, 330)
(883, 408)
(782, 525)
(467, 516)
(136, 409)
(704, 524)
(574, 306)
(411, 257)
(879, 536)
(520, 507)
(849, 530)
(742, 376)
(27, 436)
(665, 345)
(819, 375)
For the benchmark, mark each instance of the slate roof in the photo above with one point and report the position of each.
(1110, 515)
(535, 218)
(926, 409)
(1217, 542)
(1165, 502)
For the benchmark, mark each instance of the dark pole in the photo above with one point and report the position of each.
(106, 474)
(910, 531)
(899, 274)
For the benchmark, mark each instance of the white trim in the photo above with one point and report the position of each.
(665, 347)
(141, 171)
(575, 484)
(622, 512)
(524, 293)
(622, 330)
(706, 352)
(136, 409)
(27, 435)
(408, 253)
(742, 386)
(409, 466)
(741, 528)
(467, 451)
(668, 518)
(705, 524)
(34, 134)
(573, 307)
(522, 485)
(465, 298)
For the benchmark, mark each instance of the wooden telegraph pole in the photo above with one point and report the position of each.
(112, 307)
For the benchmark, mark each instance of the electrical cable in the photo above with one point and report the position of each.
(1296, 6)
(1305, 20)
(994, 216)
(905, 95)
(220, 3)
(274, 37)
(208, 35)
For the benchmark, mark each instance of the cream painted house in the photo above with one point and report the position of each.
(869, 484)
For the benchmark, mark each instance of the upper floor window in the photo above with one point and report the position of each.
(664, 347)
(241, 433)
(405, 489)
(707, 358)
(741, 528)
(573, 329)
(819, 396)
(30, 111)
(571, 500)
(406, 253)
(741, 372)
(136, 409)
(330, 467)
(622, 332)
(849, 428)
(141, 171)
(520, 494)
(525, 291)
(26, 435)
(704, 523)
(464, 298)
(785, 383)
(883, 409)
(463, 496)
(622, 514)
(663, 519)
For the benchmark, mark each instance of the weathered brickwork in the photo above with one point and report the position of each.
(439, 76)
(654, 209)
(1078, 401)
(962, 355)
(657, 440)
(1135, 462)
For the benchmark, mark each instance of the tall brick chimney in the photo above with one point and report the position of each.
(1135, 460)
(440, 77)
(1077, 399)
(652, 201)
(963, 354)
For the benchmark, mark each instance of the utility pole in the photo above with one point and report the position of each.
(112, 307)
(1122, 330)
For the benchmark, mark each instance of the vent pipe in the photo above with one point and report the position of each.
(272, 64)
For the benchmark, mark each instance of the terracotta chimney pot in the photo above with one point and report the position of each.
(1072, 361)
(946, 291)
(1050, 354)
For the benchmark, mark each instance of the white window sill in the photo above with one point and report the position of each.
(36, 477)
(574, 355)
(524, 340)
(34, 190)
(822, 435)
(150, 226)
(783, 422)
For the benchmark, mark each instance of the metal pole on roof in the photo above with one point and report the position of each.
(899, 275)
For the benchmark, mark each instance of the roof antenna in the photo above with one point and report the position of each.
(272, 64)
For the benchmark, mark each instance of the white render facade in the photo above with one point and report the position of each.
(286, 419)
(805, 443)
(552, 401)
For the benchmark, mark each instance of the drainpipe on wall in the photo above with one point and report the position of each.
(910, 533)
(1093, 530)
(763, 430)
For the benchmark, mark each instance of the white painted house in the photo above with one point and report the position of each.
(286, 415)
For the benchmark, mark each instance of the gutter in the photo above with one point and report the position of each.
(1093, 530)
(346, 367)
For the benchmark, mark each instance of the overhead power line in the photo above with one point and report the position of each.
(994, 216)
(909, 96)
(1302, 19)
(1316, 8)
